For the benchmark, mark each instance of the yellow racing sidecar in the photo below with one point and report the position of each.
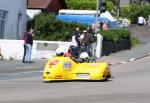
(65, 68)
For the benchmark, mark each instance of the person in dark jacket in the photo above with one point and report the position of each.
(29, 43)
(87, 41)
(76, 32)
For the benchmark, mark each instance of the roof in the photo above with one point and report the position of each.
(38, 4)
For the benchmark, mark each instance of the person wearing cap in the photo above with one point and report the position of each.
(87, 41)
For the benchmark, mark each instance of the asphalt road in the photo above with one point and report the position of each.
(16, 66)
(131, 84)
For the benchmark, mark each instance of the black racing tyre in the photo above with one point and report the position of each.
(106, 78)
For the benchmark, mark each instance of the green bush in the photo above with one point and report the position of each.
(134, 11)
(48, 28)
(116, 35)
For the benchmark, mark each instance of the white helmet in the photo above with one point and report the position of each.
(59, 51)
(84, 57)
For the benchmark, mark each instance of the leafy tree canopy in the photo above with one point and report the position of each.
(88, 4)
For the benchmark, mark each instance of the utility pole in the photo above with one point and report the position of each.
(97, 50)
(118, 8)
(97, 13)
(101, 8)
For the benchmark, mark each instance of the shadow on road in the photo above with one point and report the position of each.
(60, 81)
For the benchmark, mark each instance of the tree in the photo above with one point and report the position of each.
(88, 4)
(133, 11)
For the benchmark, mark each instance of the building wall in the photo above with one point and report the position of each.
(14, 8)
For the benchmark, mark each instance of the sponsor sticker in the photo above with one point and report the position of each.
(54, 62)
(67, 65)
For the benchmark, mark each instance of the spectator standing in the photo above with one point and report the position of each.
(24, 45)
(29, 43)
(87, 41)
(90, 30)
(94, 26)
(105, 26)
(75, 44)
(76, 32)
(82, 47)
(77, 35)
(141, 21)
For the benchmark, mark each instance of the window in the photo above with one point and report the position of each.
(3, 15)
(18, 24)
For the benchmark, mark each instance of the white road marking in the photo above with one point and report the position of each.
(132, 59)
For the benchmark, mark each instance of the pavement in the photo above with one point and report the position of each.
(139, 51)
(16, 66)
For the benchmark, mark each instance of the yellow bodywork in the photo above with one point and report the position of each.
(64, 68)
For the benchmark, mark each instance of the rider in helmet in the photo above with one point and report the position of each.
(59, 52)
(84, 57)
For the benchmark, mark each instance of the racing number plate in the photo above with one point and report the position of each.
(83, 76)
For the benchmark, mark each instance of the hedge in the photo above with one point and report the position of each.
(116, 35)
(48, 28)
(115, 40)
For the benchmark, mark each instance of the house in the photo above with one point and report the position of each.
(37, 6)
(12, 19)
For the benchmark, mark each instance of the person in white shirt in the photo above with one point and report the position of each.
(74, 41)
(74, 46)
(141, 21)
